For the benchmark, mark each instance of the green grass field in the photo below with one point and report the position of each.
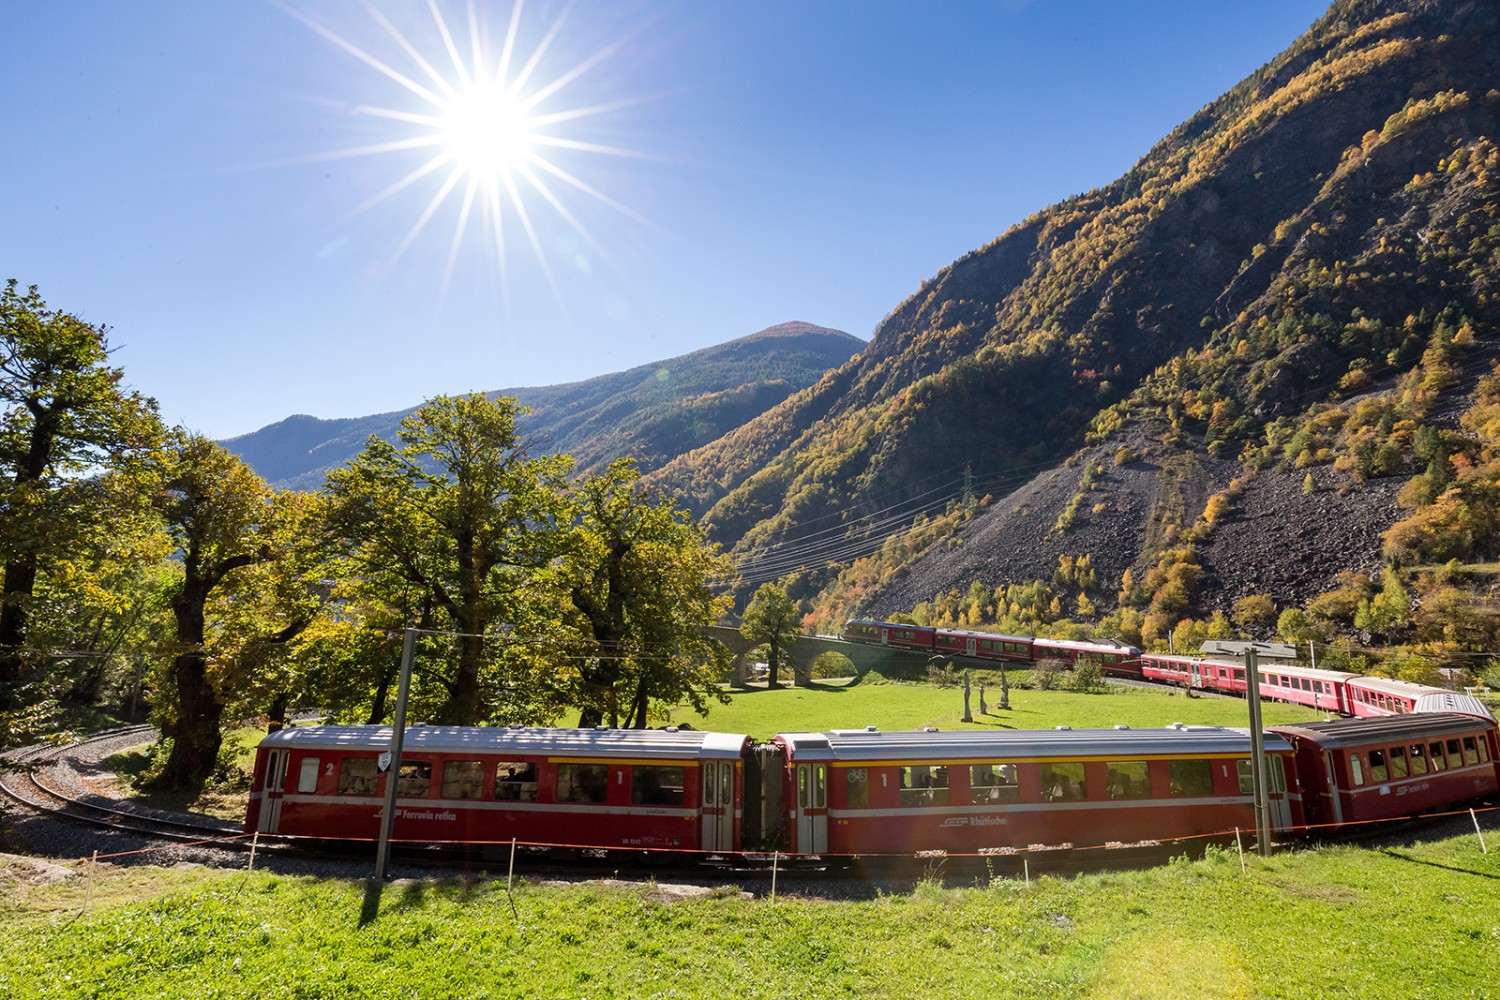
(1414, 921)
(830, 705)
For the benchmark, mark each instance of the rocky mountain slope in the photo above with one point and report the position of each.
(1306, 241)
(654, 412)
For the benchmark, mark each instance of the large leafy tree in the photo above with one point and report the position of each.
(462, 514)
(64, 416)
(772, 618)
(226, 523)
(637, 578)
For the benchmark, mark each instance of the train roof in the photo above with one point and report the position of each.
(1290, 670)
(1382, 729)
(1449, 701)
(1392, 686)
(976, 634)
(687, 744)
(873, 745)
(1087, 644)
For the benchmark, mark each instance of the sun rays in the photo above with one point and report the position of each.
(485, 134)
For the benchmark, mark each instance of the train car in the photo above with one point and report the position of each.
(1118, 660)
(983, 645)
(1373, 696)
(1358, 770)
(869, 792)
(579, 787)
(888, 634)
(1327, 690)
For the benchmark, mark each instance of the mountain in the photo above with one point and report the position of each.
(654, 413)
(1252, 326)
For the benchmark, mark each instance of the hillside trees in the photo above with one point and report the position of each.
(64, 416)
(635, 575)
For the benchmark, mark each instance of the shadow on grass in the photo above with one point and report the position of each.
(1399, 856)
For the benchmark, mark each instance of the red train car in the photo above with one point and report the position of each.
(1326, 690)
(868, 792)
(1374, 696)
(888, 634)
(1113, 659)
(1356, 770)
(983, 645)
(579, 787)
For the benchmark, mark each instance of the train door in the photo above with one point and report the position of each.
(885, 636)
(718, 805)
(270, 804)
(1335, 802)
(1197, 669)
(971, 646)
(812, 808)
(1277, 797)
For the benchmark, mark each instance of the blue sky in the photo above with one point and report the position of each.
(182, 171)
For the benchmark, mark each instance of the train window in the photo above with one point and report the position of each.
(1246, 772)
(415, 780)
(1306, 684)
(1398, 762)
(1356, 769)
(1484, 751)
(515, 781)
(463, 779)
(1127, 779)
(856, 788)
(1239, 675)
(993, 783)
(924, 785)
(358, 776)
(582, 782)
(1435, 752)
(307, 775)
(655, 785)
(1063, 783)
(1455, 755)
(1418, 759)
(1471, 752)
(1378, 769)
(1191, 777)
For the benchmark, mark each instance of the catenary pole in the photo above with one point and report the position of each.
(393, 772)
(1258, 774)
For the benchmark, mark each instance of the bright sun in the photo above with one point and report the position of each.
(490, 124)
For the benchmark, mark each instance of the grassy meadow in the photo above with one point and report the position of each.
(1413, 921)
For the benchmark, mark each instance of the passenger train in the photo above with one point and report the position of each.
(861, 792)
(1326, 690)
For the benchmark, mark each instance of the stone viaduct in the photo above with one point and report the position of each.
(864, 657)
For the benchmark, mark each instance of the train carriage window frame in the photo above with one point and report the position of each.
(1398, 763)
(994, 784)
(307, 775)
(1357, 769)
(658, 785)
(1379, 769)
(515, 781)
(1418, 756)
(415, 779)
(1190, 778)
(1484, 750)
(359, 776)
(924, 785)
(1063, 781)
(1471, 751)
(463, 779)
(1244, 770)
(1127, 779)
(1455, 754)
(1437, 757)
(583, 783)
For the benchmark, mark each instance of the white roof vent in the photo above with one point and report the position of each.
(1065, 728)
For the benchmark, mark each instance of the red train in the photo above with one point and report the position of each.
(1113, 658)
(860, 792)
(1326, 690)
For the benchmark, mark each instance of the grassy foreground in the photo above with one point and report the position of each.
(1414, 921)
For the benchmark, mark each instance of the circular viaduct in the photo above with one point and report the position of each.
(864, 656)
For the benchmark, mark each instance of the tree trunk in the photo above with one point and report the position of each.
(773, 654)
(276, 714)
(15, 594)
(195, 734)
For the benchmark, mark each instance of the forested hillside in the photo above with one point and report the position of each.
(1285, 308)
(652, 413)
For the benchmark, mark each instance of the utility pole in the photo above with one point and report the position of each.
(1258, 775)
(393, 771)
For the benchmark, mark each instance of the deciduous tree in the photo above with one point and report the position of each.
(772, 618)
